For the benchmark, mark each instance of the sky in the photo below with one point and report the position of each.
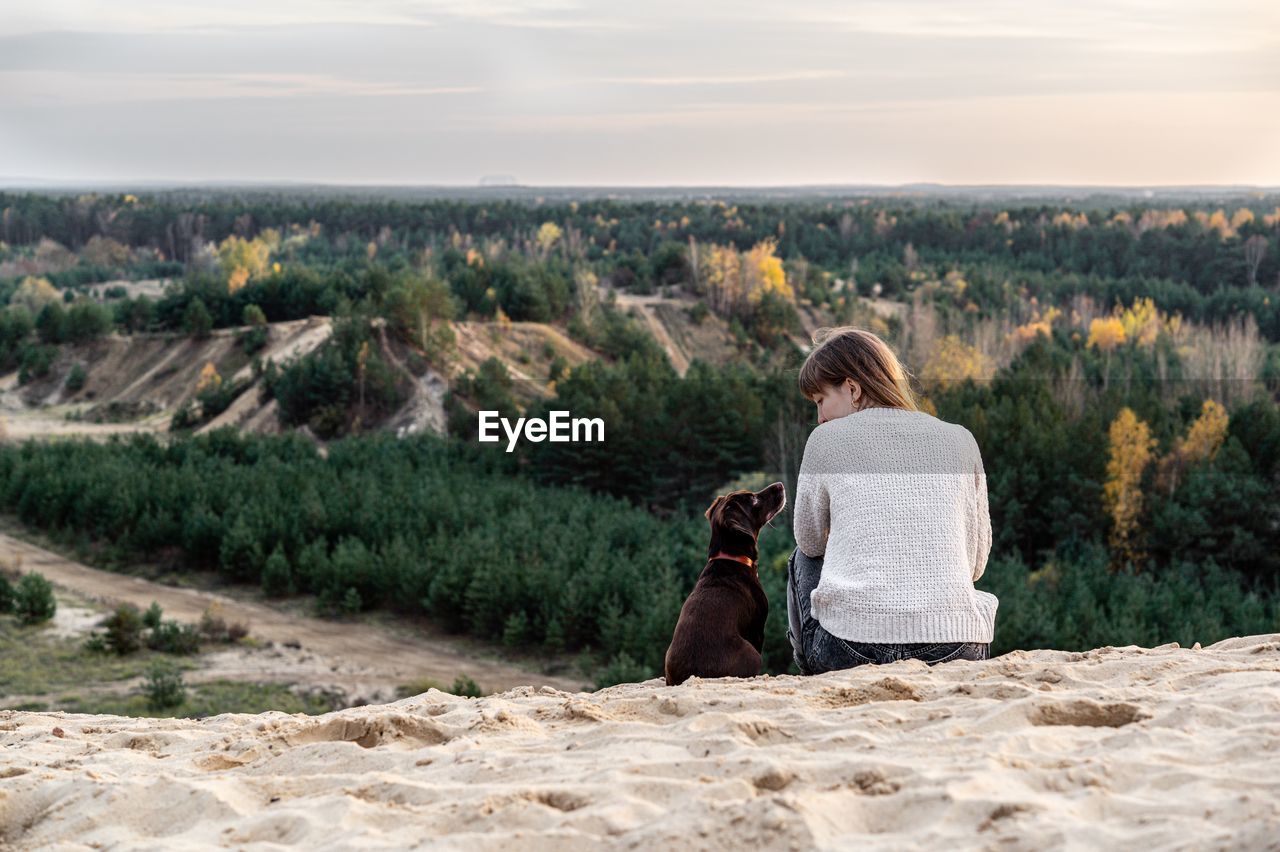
(656, 93)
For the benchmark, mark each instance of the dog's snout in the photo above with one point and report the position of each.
(774, 499)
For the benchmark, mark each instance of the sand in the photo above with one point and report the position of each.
(1116, 748)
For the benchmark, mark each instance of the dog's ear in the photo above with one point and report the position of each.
(712, 507)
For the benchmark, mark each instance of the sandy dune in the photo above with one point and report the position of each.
(1118, 748)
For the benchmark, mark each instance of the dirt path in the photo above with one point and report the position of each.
(359, 658)
(425, 408)
(645, 304)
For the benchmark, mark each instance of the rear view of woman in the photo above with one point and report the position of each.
(890, 520)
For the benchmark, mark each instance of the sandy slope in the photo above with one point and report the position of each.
(1119, 748)
(156, 373)
(359, 659)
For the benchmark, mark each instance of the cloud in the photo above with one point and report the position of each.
(722, 79)
(1160, 26)
(71, 88)
(142, 16)
(670, 87)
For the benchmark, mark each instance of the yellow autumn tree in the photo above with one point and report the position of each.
(1242, 216)
(1217, 221)
(1029, 331)
(1131, 449)
(209, 379)
(1068, 220)
(548, 235)
(722, 277)
(764, 273)
(952, 361)
(1141, 322)
(1040, 323)
(1106, 333)
(1161, 219)
(1203, 439)
(34, 293)
(242, 260)
(1207, 432)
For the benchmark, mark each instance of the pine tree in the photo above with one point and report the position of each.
(277, 577)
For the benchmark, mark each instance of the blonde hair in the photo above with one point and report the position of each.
(848, 352)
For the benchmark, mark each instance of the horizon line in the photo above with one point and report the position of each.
(27, 182)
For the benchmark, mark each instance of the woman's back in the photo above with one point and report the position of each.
(904, 496)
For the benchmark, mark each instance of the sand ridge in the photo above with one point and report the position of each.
(1161, 748)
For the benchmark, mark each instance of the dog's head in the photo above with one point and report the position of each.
(740, 514)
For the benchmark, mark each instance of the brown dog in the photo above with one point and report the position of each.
(720, 632)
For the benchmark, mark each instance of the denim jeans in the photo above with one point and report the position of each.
(817, 651)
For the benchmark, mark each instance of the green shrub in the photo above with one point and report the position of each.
(196, 320)
(151, 618)
(241, 553)
(418, 686)
(218, 398)
(51, 322)
(76, 378)
(35, 361)
(622, 669)
(465, 686)
(253, 316)
(33, 598)
(253, 340)
(164, 688)
(557, 368)
(351, 603)
(515, 631)
(277, 577)
(462, 685)
(174, 638)
(124, 629)
(7, 594)
(184, 418)
(86, 320)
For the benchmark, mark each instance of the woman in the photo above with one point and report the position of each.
(890, 520)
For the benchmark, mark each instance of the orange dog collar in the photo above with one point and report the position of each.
(745, 560)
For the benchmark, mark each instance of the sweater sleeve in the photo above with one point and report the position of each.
(981, 522)
(811, 518)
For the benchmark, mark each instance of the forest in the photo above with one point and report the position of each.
(1118, 366)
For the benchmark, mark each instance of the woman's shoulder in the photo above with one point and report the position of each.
(884, 418)
(869, 427)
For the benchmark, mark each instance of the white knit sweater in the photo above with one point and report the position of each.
(904, 496)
